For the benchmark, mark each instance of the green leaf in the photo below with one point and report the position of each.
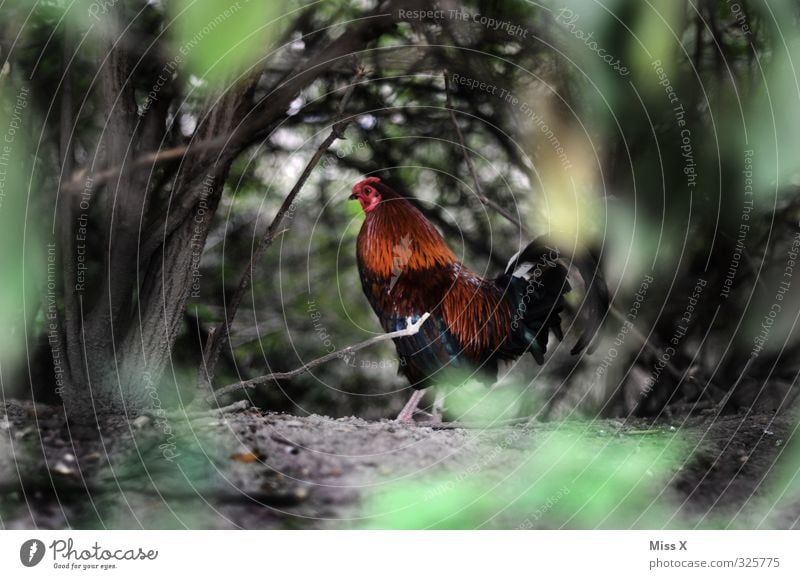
(571, 479)
(20, 251)
(219, 39)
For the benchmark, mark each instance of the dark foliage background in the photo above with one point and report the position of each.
(669, 166)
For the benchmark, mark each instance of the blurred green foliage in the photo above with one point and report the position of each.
(574, 478)
(220, 39)
(21, 251)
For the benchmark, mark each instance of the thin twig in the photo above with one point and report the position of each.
(77, 181)
(750, 262)
(343, 353)
(489, 425)
(206, 354)
(219, 338)
(191, 412)
(724, 402)
(646, 343)
(483, 198)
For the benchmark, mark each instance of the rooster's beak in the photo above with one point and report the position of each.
(352, 197)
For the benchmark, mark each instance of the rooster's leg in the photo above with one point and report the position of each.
(407, 413)
(437, 411)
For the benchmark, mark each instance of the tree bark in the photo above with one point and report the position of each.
(119, 347)
(94, 327)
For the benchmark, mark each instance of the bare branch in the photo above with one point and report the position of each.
(483, 198)
(262, 116)
(647, 345)
(410, 330)
(70, 335)
(219, 337)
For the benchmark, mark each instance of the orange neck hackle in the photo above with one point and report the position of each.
(396, 235)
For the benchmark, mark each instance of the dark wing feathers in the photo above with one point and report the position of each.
(427, 353)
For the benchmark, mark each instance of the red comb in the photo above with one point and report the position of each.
(357, 187)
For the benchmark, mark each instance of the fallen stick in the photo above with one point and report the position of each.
(410, 330)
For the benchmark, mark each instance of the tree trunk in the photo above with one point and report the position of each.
(118, 347)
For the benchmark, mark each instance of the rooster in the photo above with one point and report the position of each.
(407, 270)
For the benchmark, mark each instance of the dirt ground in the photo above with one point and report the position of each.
(250, 469)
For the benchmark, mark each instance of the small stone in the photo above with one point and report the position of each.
(22, 433)
(62, 468)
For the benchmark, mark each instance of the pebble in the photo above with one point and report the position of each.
(22, 433)
(62, 468)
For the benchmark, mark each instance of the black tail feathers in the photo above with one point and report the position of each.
(540, 275)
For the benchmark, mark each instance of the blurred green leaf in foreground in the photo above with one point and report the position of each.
(571, 480)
